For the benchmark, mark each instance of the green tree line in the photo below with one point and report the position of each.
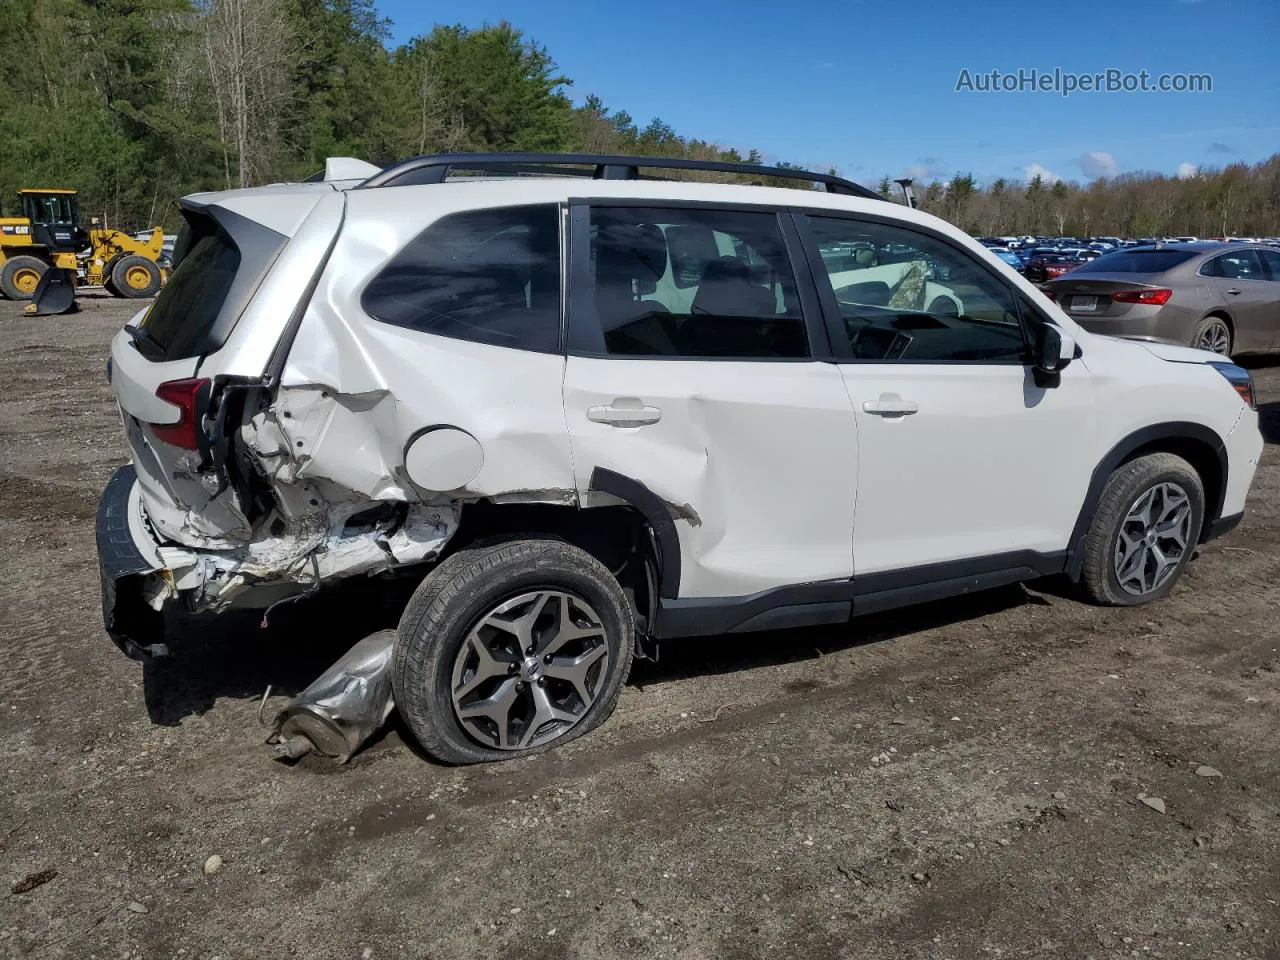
(138, 102)
(1238, 200)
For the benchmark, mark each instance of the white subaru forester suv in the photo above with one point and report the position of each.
(590, 410)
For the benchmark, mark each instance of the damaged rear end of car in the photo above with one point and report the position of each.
(224, 503)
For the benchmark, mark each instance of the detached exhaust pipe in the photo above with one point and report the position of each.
(343, 708)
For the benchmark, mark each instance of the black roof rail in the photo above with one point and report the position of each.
(435, 168)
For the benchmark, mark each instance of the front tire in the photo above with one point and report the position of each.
(134, 277)
(20, 276)
(1144, 530)
(510, 649)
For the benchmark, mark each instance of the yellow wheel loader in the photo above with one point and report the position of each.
(48, 239)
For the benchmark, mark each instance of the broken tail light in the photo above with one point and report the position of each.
(189, 396)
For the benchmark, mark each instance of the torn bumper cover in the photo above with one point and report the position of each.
(338, 539)
(125, 556)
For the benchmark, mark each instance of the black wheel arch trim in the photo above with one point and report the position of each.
(654, 510)
(1122, 451)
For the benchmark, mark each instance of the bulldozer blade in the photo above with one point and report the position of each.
(55, 293)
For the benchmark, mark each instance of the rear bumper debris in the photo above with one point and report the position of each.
(132, 623)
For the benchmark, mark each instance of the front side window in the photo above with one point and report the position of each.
(908, 297)
(492, 276)
(685, 282)
(51, 208)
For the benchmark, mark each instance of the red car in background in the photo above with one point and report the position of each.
(1050, 263)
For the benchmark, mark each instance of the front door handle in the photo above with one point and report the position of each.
(1233, 291)
(625, 412)
(890, 405)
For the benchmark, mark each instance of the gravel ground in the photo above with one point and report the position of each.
(960, 780)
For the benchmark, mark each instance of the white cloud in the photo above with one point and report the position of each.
(1097, 164)
(928, 168)
(1187, 170)
(1035, 170)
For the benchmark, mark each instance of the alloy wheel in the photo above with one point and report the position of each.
(1153, 539)
(529, 670)
(1215, 338)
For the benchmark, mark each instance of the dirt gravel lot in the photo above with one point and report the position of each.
(956, 781)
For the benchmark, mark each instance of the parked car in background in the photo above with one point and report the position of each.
(1049, 263)
(1011, 258)
(1215, 296)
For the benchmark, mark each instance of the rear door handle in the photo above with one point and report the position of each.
(1233, 291)
(890, 405)
(625, 412)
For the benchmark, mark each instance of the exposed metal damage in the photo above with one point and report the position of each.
(325, 517)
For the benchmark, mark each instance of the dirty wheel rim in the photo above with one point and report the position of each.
(25, 279)
(137, 277)
(1216, 338)
(529, 670)
(1153, 539)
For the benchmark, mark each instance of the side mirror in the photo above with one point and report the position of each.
(1052, 352)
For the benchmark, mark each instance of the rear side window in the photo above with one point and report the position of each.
(687, 282)
(1137, 261)
(491, 276)
(180, 321)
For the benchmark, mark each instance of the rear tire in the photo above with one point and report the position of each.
(464, 685)
(1213, 333)
(1144, 531)
(20, 275)
(134, 277)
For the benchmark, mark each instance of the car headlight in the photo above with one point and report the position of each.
(1240, 379)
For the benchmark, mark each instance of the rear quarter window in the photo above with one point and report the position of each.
(490, 276)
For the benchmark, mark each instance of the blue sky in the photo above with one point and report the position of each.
(869, 86)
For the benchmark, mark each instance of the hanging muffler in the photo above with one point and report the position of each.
(343, 708)
(55, 293)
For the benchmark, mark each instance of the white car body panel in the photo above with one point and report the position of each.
(257, 334)
(757, 463)
(990, 463)
(388, 382)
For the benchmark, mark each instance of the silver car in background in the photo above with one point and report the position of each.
(1223, 297)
